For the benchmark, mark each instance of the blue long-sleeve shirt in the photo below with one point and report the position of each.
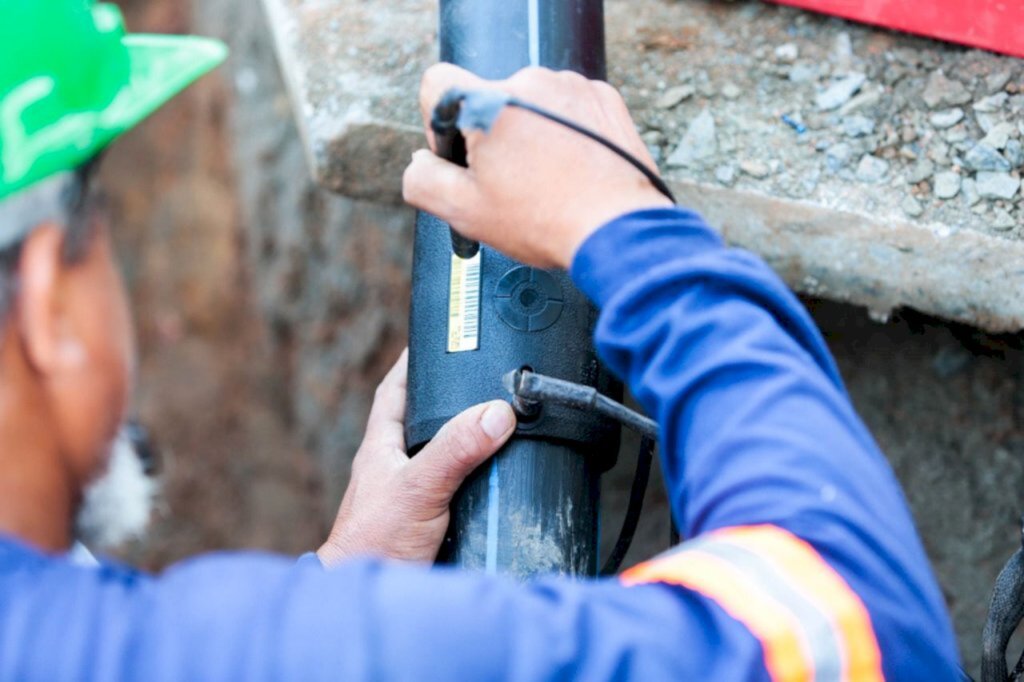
(802, 558)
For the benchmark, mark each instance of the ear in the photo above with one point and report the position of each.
(49, 338)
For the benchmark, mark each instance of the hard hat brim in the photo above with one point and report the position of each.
(161, 66)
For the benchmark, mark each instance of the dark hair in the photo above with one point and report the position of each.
(78, 204)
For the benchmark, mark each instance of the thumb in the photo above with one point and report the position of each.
(439, 187)
(463, 444)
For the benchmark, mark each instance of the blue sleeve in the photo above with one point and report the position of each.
(757, 432)
(757, 427)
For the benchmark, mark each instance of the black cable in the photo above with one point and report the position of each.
(636, 504)
(529, 390)
(655, 180)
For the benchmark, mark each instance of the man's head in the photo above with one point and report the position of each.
(66, 351)
(71, 81)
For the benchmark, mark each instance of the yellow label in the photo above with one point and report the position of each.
(464, 304)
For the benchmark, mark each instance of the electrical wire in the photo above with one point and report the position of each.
(636, 505)
(530, 390)
(653, 177)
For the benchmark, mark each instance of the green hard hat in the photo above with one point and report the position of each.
(71, 81)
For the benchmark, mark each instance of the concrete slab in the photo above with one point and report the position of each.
(866, 166)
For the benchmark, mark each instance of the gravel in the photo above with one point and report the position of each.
(1003, 220)
(944, 92)
(947, 185)
(997, 185)
(699, 144)
(755, 169)
(676, 95)
(984, 157)
(912, 207)
(872, 169)
(946, 119)
(840, 92)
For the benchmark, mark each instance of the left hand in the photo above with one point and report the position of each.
(395, 506)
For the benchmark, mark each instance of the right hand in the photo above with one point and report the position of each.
(534, 190)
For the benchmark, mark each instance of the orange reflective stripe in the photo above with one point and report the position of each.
(770, 622)
(806, 569)
(811, 625)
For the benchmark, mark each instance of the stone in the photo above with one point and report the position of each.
(984, 158)
(969, 191)
(1014, 153)
(1003, 220)
(920, 171)
(675, 95)
(838, 156)
(912, 207)
(947, 185)
(867, 98)
(944, 92)
(842, 51)
(726, 174)
(731, 91)
(997, 186)
(872, 169)
(997, 81)
(755, 169)
(991, 105)
(946, 119)
(999, 135)
(857, 126)
(987, 121)
(788, 53)
(803, 73)
(839, 92)
(699, 144)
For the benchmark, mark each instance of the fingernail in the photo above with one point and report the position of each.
(497, 420)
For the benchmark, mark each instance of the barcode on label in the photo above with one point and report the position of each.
(464, 304)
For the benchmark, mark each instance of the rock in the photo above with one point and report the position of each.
(872, 169)
(755, 169)
(946, 119)
(842, 51)
(987, 121)
(726, 174)
(838, 156)
(947, 185)
(840, 92)
(857, 126)
(997, 81)
(788, 53)
(1014, 153)
(803, 73)
(674, 96)
(984, 158)
(1003, 220)
(867, 98)
(920, 171)
(944, 92)
(999, 135)
(731, 91)
(699, 143)
(991, 105)
(969, 191)
(912, 207)
(956, 135)
(997, 186)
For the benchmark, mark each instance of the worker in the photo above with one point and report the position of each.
(800, 560)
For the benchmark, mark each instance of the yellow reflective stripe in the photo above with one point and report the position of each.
(811, 625)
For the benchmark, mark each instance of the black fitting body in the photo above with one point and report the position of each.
(535, 509)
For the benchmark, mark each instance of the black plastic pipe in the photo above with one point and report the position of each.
(534, 509)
